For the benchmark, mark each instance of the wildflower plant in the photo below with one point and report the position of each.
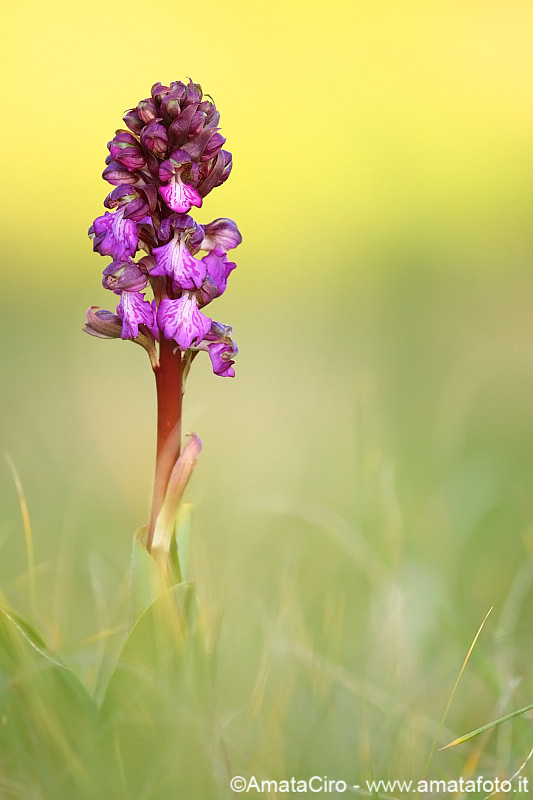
(162, 165)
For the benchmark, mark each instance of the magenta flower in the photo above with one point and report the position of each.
(175, 260)
(218, 268)
(114, 236)
(178, 194)
(221, 233)
(182, 321)
(221, 355)
(124, 276)
(134, 310)
(125, 150)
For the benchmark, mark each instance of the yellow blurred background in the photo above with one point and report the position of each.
(368, 473)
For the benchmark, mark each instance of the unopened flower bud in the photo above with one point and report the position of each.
(154, 138)
(207, 292)
(125, 150)
(133, 120)
(170, 104)
(147, 110)
(212, 117)
(158, 91)
(204, 146)
(222, 232)
(117, 174)
(194, 94)
(214, 173)
(212, 147)
(124, 276)
(179, 129)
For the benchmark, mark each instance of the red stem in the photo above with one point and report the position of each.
(169, 395)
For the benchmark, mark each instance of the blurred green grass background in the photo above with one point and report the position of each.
(364, 493)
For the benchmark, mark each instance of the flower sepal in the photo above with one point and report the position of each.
(105, 324)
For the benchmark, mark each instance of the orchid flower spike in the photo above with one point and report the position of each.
(162, 165)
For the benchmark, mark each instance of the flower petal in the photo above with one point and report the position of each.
(218, 268)
(124, 276)
(182, 321)
(175, 260)
(180, 196)
(221, 354)
(114, 235)
(134, 310)
(223, 233)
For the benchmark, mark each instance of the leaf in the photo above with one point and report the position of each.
(25, 628)
(47, 718)
(487, 727)
(183, 539)
(156, 723)
(146, 579)
(456, 684)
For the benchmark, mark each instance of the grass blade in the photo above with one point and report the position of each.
(487, 727)
(30, 552)
(456, 684)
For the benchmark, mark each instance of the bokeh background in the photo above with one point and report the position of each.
(364, 493)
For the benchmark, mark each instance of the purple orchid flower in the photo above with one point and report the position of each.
(182, 321)
(179, 195)
(222, 233)
(221, 355)
(218, 268)
(114, 236)
(134, 310)
(175, 260)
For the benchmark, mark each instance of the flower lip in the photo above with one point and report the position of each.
(113, 235)
(134, 310)
(218, 268)
(182, 321)
(175, 260)
(221, 355)
(180, 196)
